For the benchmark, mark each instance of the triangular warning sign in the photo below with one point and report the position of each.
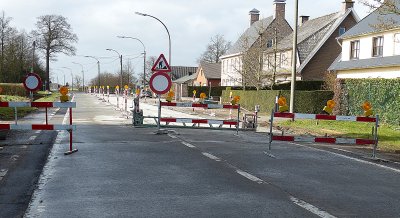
(161, 65)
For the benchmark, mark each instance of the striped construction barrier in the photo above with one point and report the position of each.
(195, 121)
(329, 140)
(45, 126)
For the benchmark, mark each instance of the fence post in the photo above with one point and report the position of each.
(376, 136)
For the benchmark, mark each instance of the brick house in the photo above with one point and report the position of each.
(208, 74)
(317, 45)
(231, 62)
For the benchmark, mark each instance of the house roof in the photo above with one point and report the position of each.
(368, 24)
(365, 63)
(186, 79)
(250, 35)
(211, 70)
(309, 29)
(181, 71)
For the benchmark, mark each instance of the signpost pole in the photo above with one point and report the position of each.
(159, 113)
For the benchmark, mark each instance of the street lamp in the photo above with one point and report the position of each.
(144, 56)
(98, 67)
(72, 78)
(294, 57)
(169, 36)
(83, 75)
(120, 56)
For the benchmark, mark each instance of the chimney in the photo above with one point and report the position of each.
(303, 19)
(279, 9)
(254, 16)
(347, 4)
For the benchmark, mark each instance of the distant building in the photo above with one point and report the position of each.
(182, 71)
(369, 51)
(208, 74)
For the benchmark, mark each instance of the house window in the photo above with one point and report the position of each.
(342, 30)
(269, 43)
(397, 44)
(377, 46)
(355, 49)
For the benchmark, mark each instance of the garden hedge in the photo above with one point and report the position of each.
(16, 89)
(383, 94)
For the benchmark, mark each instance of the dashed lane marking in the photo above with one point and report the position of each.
(14, 157)
(212, 157)
(250, 177)
(188, 145)
(311, 208)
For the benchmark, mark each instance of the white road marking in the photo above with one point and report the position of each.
(3, 172)
(38, 131)
(14, 157)
(270, 155)
(352, 158)
(172, 136)
(311, 208)
(212, 157)
(32, 138)
(250, 177)
(188, 145)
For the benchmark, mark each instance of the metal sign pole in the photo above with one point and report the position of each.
(159, 112)
(238, 120)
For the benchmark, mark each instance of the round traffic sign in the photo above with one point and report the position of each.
(160, 83)
(32, 82)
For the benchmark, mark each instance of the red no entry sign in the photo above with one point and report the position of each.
(32, 82)
(160, 83)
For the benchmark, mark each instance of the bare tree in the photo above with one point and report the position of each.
(217, 47)
(384, 7)
(5, 30)
(78, 81)
(128, 73)
(149, 64)
(54, 36)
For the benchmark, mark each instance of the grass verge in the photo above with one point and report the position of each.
(389, 136)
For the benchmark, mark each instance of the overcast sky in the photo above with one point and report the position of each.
(190, 23)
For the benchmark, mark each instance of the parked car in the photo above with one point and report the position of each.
(147, 94)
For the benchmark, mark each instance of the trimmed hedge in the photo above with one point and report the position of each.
(383, 94)
(305, 101)
(217, 91)
(16, 89)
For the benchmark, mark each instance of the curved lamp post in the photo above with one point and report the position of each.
(83, 75)
(98, 68)
(169, 36)
(144, 56)
(120, 61)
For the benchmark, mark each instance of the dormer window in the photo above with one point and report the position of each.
(270, 43)
(377, 46)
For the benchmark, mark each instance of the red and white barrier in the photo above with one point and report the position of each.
(299, 116)
(39, 104)
(199, 121)
(37, 127)
(328, 140)
(45, 126)
(209, 106)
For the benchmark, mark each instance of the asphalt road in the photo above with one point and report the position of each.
(121, 171)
